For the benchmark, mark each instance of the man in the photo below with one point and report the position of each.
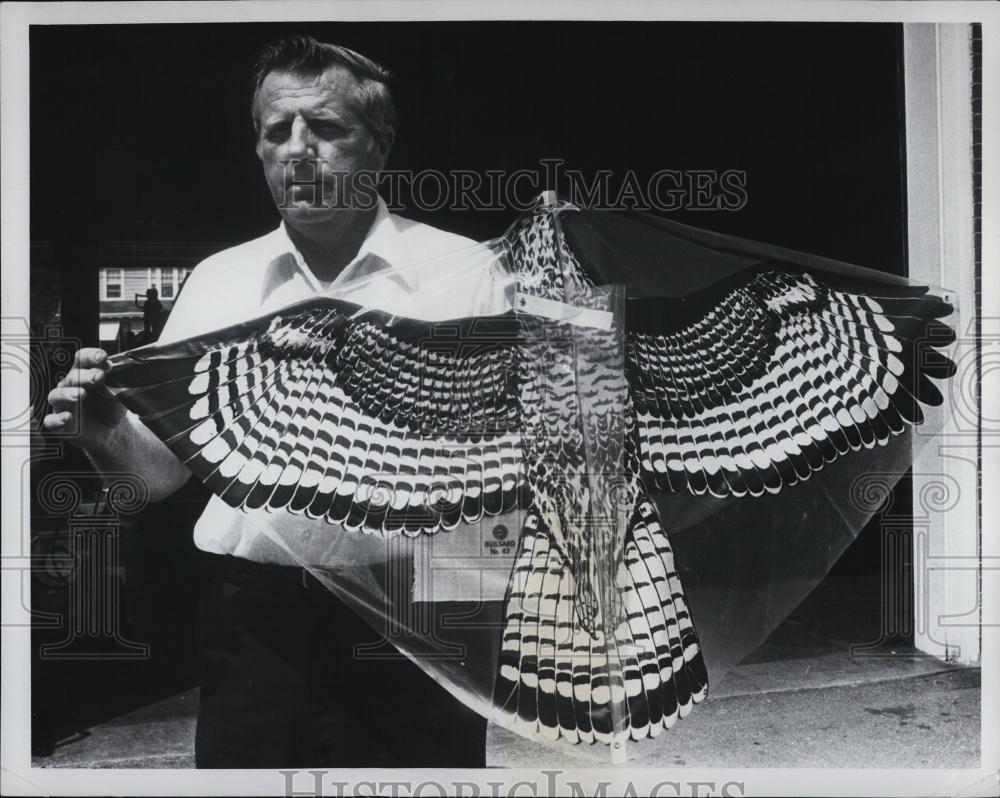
(280, 686)
(152, 315)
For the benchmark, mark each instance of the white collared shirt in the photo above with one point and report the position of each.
(403, 267)
(398, 268)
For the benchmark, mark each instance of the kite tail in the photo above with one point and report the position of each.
(556, 680)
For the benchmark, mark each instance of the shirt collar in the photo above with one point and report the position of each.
(383, 250)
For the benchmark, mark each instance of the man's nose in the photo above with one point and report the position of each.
(301, 143)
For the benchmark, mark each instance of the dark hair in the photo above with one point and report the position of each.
(304, 56)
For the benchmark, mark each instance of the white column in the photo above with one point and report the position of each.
(947, 540)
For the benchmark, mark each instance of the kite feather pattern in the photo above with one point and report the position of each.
(384, 425)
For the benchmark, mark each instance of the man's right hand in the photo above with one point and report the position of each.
(78, 408)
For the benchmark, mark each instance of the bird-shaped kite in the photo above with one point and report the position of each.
(569, 410)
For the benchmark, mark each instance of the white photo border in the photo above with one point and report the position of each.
(18, 778)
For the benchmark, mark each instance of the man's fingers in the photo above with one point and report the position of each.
(83, 378)
(57, 422)
(91, 357)
(70, 416)
(65, 397)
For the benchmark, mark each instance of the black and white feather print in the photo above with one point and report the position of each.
(358, 419)
(380, 424)
(558, 680)
(755, 384)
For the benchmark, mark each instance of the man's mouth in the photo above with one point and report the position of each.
(307, 192)
(310, 195)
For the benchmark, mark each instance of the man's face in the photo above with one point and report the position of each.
(315, 119)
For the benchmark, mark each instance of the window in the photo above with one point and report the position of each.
(153, 278)
(112, 281)
(168, 284)
(165, 280)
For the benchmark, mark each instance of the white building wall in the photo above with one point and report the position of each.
(947, 532)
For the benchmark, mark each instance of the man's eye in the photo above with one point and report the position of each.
(327, 129)
(277, 133)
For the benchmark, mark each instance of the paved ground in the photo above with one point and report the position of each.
(158, 736)
(927, 721)
(800, 700)
(805, 713)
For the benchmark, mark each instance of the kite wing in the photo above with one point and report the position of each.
(367, 420)
(753, 384)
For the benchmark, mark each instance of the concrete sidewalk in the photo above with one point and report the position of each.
(158, 736)
(800, 700)
(825, 711)
(918, 721)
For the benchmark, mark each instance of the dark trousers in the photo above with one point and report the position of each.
(281, 686)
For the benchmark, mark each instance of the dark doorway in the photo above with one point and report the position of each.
(141, 134)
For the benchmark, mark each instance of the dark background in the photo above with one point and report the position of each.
(142, 133)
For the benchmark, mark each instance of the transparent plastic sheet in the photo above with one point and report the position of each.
(573, 340)
(452, 588)
(746, 563)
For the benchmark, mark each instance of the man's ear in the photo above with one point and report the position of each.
(384, 144)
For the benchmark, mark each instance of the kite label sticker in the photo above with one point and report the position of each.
(471, 563)
(500, 543)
